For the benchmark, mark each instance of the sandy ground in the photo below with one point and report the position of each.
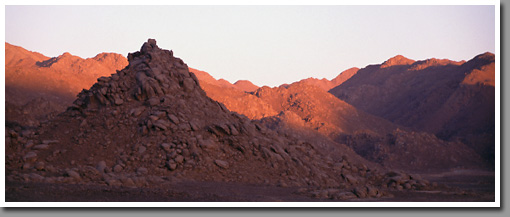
(460, 186)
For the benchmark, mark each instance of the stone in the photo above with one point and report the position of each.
(103, 79)
(194, 126)
(350, 179)
(50, 141)
(208, 144)
(171, 165)
(30, 156)
(36, 177)
(372, 192)
(188, 84)
(184, 127)
(39, 166)
(29, 144)
(113, 182)
(361, 192)
(162, 124)
(165, 146)
(153, 117)
(139, 181)
(179, 159)
(221, 164)
(152, 42)
(233, 130)
(407, 186)
(128, 182)
(141, 149)
(153, 101)
(41, 147)
(118, 101)
(26, 166)
(50, 168)
(117, 168)
(83, 123)
(142, 171)
(173, 118)
(73, 174)
(101, 166)
(137, 111)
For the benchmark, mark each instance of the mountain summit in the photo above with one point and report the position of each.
(396, 61)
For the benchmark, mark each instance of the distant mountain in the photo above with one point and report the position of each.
(64, 75)
(453, 100)
(206, 77)
(243, 85)
(326, 84)
(31, 77)
(246, 85)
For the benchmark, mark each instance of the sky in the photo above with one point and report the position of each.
(268, 45)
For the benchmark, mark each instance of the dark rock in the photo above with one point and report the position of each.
(73, 174)
(30, 156)
(179, 159)
(41, 147)
(142, 171)
(101, 166)
(221, 164)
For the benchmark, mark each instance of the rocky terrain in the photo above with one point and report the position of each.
(160, 131)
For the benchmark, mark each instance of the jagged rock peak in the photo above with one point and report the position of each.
(397, 60)
(151, 74)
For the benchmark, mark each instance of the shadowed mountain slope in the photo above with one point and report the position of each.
(453, 100)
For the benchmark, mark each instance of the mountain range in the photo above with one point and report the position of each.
(130, 121)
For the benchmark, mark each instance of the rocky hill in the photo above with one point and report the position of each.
(453, 100)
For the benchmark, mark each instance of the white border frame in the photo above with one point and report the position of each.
(497, 202)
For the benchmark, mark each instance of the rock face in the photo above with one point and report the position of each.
(453, 100)
(152, 122)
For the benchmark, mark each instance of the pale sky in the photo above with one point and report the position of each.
(268, 45)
